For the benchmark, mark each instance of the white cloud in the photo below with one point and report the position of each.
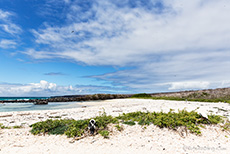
(131, 34)
(186, 41)
(225, 83)
(67, 1)
(39, 54)
(43, 88)
(188, 85)
(7, 43)
(7, 24)
(11, 28)
(154, 76)
(4, 15)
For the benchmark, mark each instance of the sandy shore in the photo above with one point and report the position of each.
(134, 139)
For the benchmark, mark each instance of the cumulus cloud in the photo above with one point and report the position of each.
(169, 42)
(188, 85)
(44, 88)
(225, 83)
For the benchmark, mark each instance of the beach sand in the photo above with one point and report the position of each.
(133, 139)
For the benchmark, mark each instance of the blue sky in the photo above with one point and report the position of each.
(65, 47)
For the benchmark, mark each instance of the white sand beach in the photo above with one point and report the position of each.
(133, 139)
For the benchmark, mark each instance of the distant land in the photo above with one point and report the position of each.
(223, 93)
(208, 95)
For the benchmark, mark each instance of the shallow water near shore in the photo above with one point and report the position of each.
(20, 98)
(9, 107)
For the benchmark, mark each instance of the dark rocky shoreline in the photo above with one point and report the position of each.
(70, 98)
(207, 94)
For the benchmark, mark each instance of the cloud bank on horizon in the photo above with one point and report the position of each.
(157, 45)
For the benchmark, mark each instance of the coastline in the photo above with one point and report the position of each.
(134, 139)
(14, 107)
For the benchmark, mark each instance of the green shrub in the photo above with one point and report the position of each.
(55, 117)
(15, 127)
(203, 97)
(103, 120)
(71, 128)
(215, 119)
(51, 126)
(119, 128)
(77, 128)
(142, 95)
(4, 127)
(130, 123)
(226, 126)
(104, 133)
(171, 120)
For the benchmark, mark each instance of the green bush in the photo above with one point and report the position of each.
(203, 97)
(77, 128)
(130, 123)
(51, 126)
(71, 128)
(226, 126)
(142, 95)
(119, 128)
(215, 119)
(104, 133)
(103, 120)
(171, 120)
(4, 127)
(15, 127)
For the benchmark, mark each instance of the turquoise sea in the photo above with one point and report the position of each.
(21, 98)
(8, 107)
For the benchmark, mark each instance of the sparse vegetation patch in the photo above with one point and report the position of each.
(4, 127)
(199, 97)
(171, 120)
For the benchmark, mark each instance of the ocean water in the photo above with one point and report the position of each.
(21, 98)
(8, 107)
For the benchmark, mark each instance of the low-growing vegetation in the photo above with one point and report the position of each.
(171, 120)
(16, 127)
(192, 97)
(3, 127)
(226, 126)
(130, 123)
(104, 133)
(55, 117)
(119, 127)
